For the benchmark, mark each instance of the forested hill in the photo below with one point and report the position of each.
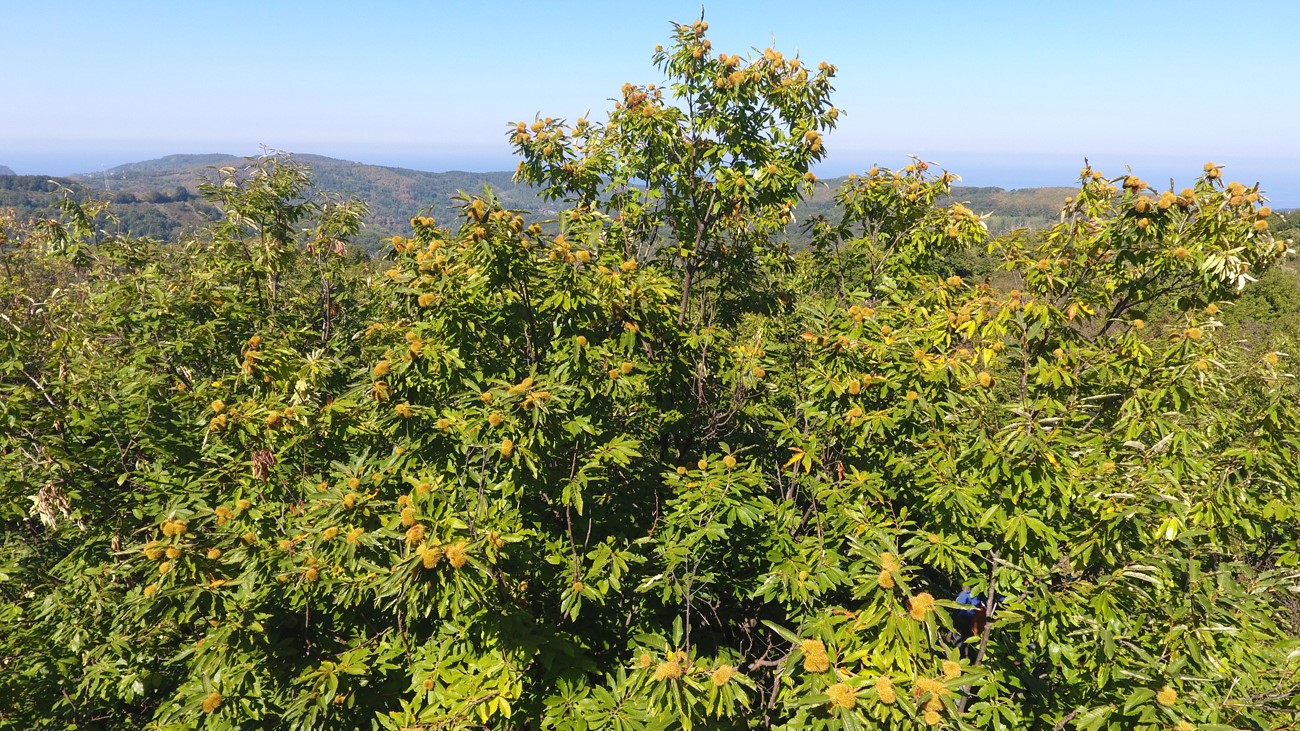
(164, 214)
(159, 197)
(1006, 209)
(394, 194)
(6, 171)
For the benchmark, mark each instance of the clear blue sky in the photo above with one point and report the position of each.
(1004, 93)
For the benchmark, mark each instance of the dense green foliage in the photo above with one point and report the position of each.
(643, 466)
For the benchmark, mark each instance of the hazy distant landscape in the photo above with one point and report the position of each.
(158, 198)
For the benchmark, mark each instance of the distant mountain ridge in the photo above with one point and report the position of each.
(167, 163)
(159, 198)
(4, 170)
(394, 194)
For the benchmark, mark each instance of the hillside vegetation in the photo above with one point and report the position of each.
(645, 465)
(166, 214)
(156, 198)
(392, 194)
